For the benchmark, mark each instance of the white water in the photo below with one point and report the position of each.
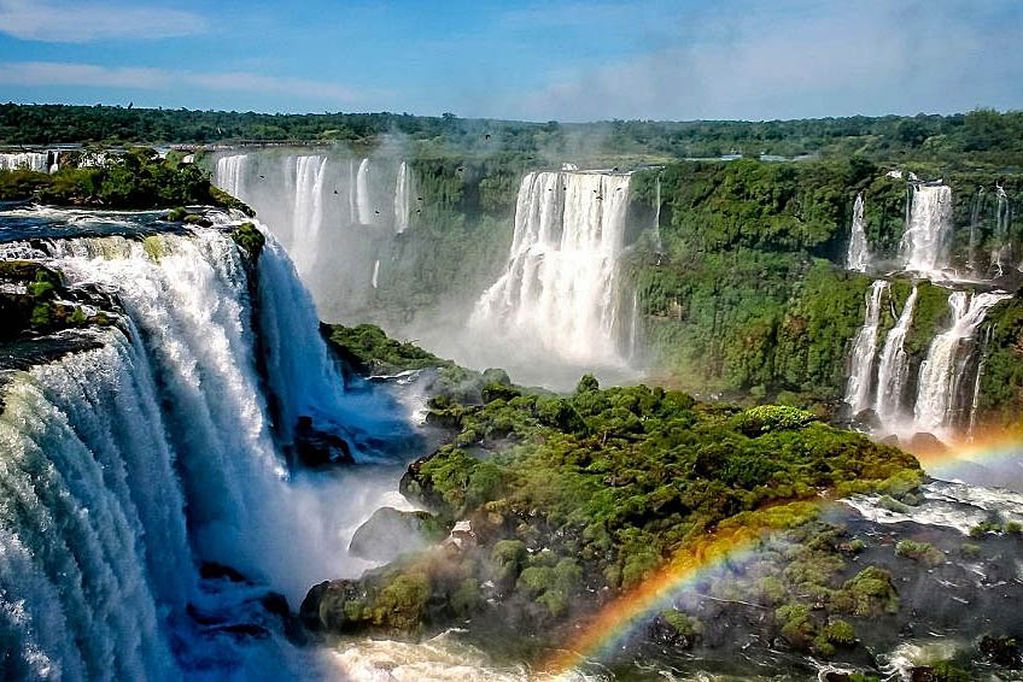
(1001, 255)
(941, 373)
(363, 200)
(558, 291)
(927, 240)
(864, 352)
(858, 256)
(893, 368)
(125, 466)
(230, 173)
(658, 245)
(33, 161)
(308, 213)
(402, 195)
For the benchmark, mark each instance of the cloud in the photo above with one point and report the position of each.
(144, 78)
(801, 58)
(62, 21)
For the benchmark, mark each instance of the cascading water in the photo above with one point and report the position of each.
(402, 194)
(127, 466)
(927, 239)
(893, 368)
(858, 256)
(230, 173)
(861, 370)
(559, 285)
(658, 245)
(319, 204)
(363, 198)
(308, 212)
(1001, 255)
(39, 162)
(976, 211)
(939, 389)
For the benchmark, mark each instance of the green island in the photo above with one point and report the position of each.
(544, 507)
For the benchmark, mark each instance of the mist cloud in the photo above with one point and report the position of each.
(805, 59)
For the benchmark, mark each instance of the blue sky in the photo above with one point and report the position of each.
(570, 60)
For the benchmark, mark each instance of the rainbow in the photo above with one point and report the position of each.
(598, 636)
(993, 448)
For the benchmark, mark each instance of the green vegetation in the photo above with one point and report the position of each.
(136, 179)
(371, 351)
(981, 136)
(33, 300)
(595, 490)
(248, 237)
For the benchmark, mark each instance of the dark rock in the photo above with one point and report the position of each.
(389, 533)
(211, 570)
(926, 444)
(246, 630)
(1002, 651)
(323, 608)
(318, 448)
(866, 420)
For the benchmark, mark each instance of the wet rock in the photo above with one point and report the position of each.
(866, 420)
(317, 448)
(926, 444)
(1002, 651)
(211, 570)
(389, 533)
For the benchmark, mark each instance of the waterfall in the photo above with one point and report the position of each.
(942, 372)
(1001, 255)
(308, 212)
(975, 400)
(657, 215)
(976, 211)
(126, 466)
(402, 192)
(864, 352)
(376, 273)
(858, 257)
(363, 199)
(32, 161)
(353, 210)
(893, 368)
(634, 326)
(230, 173)
(559, 286)
(927, 239)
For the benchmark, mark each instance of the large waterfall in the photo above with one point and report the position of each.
(336, 215)
(926, 242)
(893, 368)
(40, 162)
(363, 201)
(1001, 254)
(559, 288)
(127, 466)
(402, 197)
(858, 255)
(308, 213)
(230, 173)
(861, 370)
(940, 388)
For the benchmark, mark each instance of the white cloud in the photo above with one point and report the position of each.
(801, 58)
(64, 21)
(143, 78)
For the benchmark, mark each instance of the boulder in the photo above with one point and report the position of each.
(926, 444)
(389, 533)
(318, 448)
